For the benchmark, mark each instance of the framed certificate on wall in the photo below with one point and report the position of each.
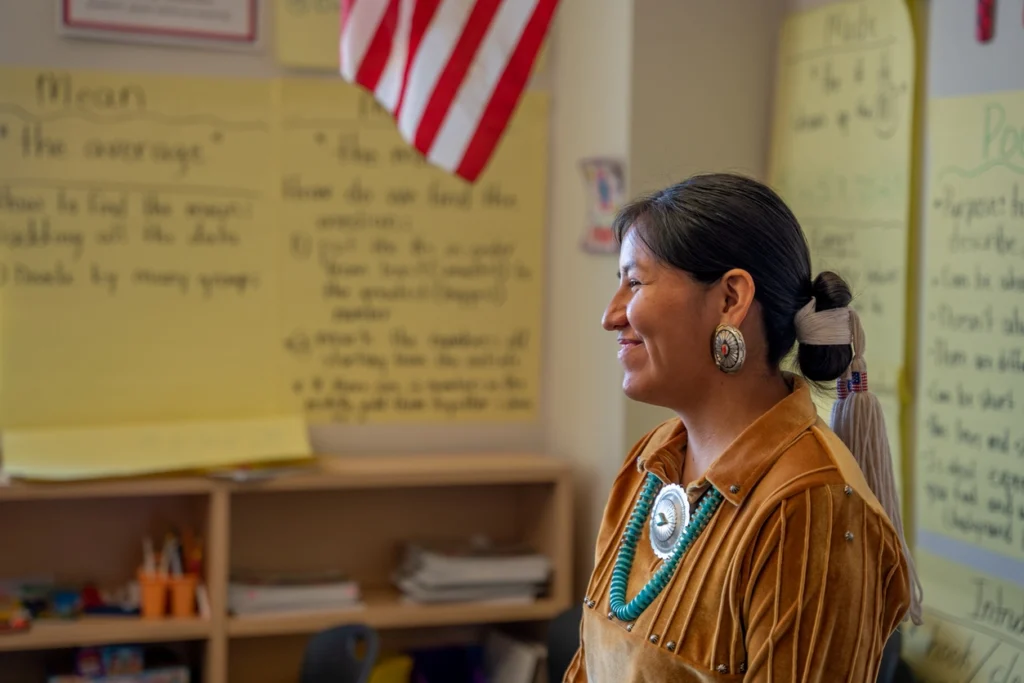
(214, 23)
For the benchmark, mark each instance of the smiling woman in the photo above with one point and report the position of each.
(741, 538)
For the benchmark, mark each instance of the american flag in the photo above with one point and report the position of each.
(450, 72)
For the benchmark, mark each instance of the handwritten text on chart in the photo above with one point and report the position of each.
(57, 98)
(136, 248)
(54, 236)
(1002, 139)
(846, 73)
(973, 630)
(972, 455)
(948, 649)
(845, 86)
(413, 285)
(275, 241)
(971, 438)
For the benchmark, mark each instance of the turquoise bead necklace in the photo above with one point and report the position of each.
(624, 561)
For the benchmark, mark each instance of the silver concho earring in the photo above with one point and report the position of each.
(728, 348)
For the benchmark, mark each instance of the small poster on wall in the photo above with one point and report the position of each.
(606, 187)
(210, 23)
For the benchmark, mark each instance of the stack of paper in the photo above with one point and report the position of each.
(479, 572)
(277, 593)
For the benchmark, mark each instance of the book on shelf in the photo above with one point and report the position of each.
(512, 593)
(263, 593)
(477, 571)
(178, 674)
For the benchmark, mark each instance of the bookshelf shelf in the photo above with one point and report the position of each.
(384, 609)
(400, 471)
(343, 512)
(106, 488)
(49, 634)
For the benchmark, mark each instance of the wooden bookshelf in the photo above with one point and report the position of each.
(385, 609)
(346, 512)
(50, 634)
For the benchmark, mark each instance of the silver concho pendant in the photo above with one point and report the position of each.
(669, 517)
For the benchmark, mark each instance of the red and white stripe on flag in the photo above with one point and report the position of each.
(451, 72)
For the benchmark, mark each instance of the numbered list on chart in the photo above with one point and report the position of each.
(971, 398)
(411, 295)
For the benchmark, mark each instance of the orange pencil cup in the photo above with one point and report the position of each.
(183, 595)
(152, 595)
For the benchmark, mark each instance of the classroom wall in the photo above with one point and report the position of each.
(671, 98)
(664, 96)
(28, 37)
(801, 5)
(699, 103)
(702, 88)
(972, 68)
(584, 417)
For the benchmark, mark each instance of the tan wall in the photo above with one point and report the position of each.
(801, 5)
(703, 75)
(669, 86)
(590, 74)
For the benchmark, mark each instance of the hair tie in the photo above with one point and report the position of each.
(830, 327)
(858, 420)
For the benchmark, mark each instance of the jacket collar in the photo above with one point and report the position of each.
(738, 469)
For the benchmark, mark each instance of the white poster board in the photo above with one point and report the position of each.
(211, 23)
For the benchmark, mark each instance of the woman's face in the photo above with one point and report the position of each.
(664, 320)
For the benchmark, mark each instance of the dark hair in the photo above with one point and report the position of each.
(710, 224)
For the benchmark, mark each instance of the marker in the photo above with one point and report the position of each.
(148, 560)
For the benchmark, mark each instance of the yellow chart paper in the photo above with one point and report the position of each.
(136, 243)
(90, 452)
(307, 33)
(410, 295)
(136, 250)
(973, 630)
(970, 434)
(841, 155)
(189, 251)
(969, 466)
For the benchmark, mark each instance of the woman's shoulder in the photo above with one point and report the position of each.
(818, 462)
(816, 496)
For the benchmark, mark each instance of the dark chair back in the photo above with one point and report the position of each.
(343, 654)
(889, 670)
(563, 641)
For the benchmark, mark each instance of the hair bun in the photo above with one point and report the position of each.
(830, 291)
(822, 363)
